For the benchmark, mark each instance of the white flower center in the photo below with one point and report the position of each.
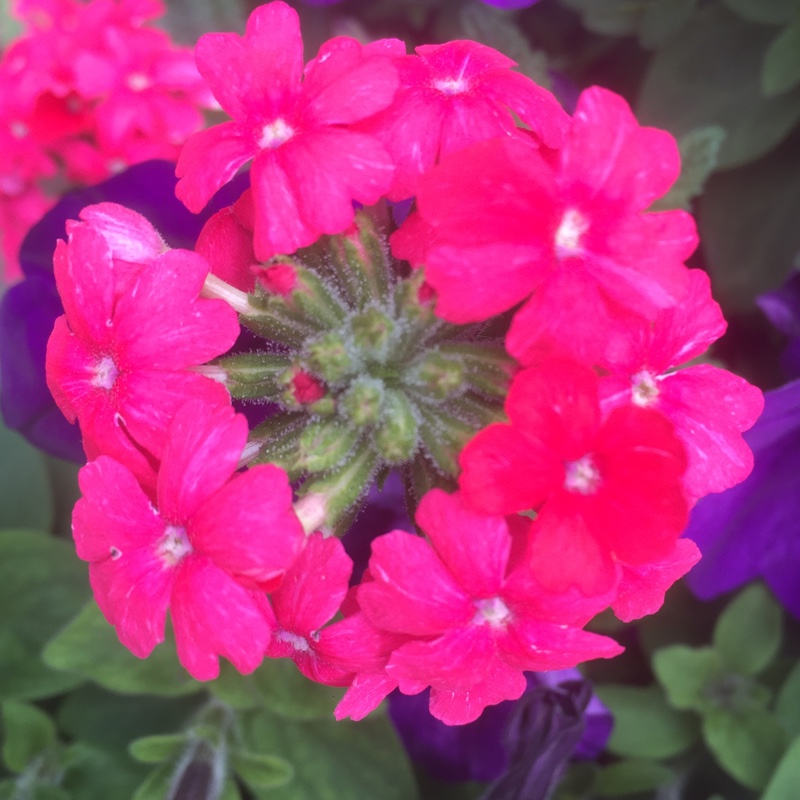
(581, 476)
(570, 232)
(275, 134)
(451, 86)
(19, 130)
(492, 611)
(644, 391)
(137, 82)
(298, 642)
(105, 373)
(175, 545)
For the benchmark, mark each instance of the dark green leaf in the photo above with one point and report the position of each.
(747, 746)
(699, 155)
(28, 731)
(25, 496)
(645, 725)
(710, 75)
(781, 68)
(95, 774)
(631, 776)
(685, 673)
(608, 17)
(155, 749)
(285, 691)
(89, 647)
(333, 760)
(662, 19)
(156, 785)
(42, 585)
(787, 704)
(748, 634)
(261, 771)
(748, 225)
(784, 783)
(770, 12)
(236, 690)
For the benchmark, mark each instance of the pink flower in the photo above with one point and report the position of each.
(475, 624)
(453, 95)
(119, 360)
(605, 490)
(308, 164)
(708, 406)
(213, 539)
(502, 224)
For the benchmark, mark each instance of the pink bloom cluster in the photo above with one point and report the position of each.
(88, 89)
(574, 504)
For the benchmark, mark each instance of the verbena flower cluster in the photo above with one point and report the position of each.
(517, 349)
(89, 89)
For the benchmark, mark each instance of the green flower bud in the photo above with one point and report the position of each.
(363, 401)
(396, 438)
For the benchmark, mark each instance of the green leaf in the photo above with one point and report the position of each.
(608, 17)
(25, 496)
(699, 156)
(787, 704)
(685, 673)
(42, 585)
(748, 226)
(333, 760)
(187, 20)
(261, 771)
(10, 27)
(780, 71)
(747, 746)
(748, 634)
(89, 647)
(155, 749)
(96, 774)
(236, 690)
(645, 725)
(156, 785)
(770, 12)
(786, 778)
(631, 776)
(28, 732)
(662, 19)
(286, 691)
(710, 75)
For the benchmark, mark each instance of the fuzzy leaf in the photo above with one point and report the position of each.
(748, 634)
(780, 71)
(747, 746)
(645, 725)
(89, 647)
(155, 749)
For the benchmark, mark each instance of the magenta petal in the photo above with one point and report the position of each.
(214, 616)
(209, 159)
(412, 592)
(474, 547)
(465, 706)
(114, 515)
(129, 235)
(203, 448)
(315, 586)
(365, 694)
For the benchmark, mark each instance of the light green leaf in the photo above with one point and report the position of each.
(785, 780)
(699, 156)
(787, 704)
(89, 647)
(28, 732)
(632, 776)
(662, 19)
(747, 746)
(156, 785)
(285, 691)
(155, 749)
(42, 585)
(25, 496)
(685, 673)
(770, 12)
(710, 75)
(748, 226)
(333, 760)
(261, 771)
(780, 71)
(748, 634)
(645, 725)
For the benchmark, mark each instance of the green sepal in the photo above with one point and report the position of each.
(278, 440)
(252, 376)
(748, 633)
(158, 748)
(325, 444)
(443, 437)
(261, 771)
(397, 434)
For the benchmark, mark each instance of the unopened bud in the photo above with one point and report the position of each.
(396, 438)
(279, 279)
(325, 444)
(330, 358)
(437, 375)
(253, 375)
(363, 401)
(372, 332)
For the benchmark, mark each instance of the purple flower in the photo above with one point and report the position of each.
(782, 307)
(750, 531)
(477, 751)
(31, 307)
